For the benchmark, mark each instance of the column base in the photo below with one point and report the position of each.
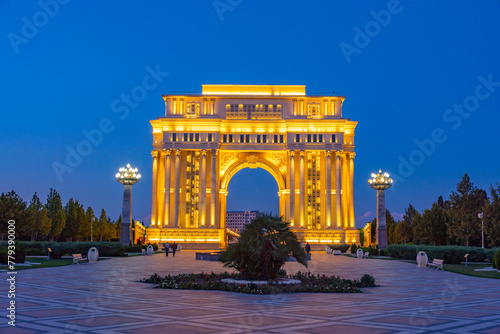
(382, 237)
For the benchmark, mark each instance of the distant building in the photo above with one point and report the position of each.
(236, 220)
(139, 232)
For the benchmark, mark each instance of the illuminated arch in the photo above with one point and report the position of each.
(244, 163)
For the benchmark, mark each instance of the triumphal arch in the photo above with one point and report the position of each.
(204, 139)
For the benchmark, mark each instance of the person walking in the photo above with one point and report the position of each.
(167, 248)
(174, 248)
(308, 248)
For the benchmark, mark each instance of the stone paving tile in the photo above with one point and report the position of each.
(106, 297)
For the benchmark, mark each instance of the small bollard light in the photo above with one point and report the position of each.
(466, 256)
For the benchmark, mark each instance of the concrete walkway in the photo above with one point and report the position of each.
(105, 297)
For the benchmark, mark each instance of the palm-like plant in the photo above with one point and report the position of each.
(263, 248)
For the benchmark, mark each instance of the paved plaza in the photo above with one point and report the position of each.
(106, 297)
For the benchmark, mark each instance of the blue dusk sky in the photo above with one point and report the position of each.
(422, 78)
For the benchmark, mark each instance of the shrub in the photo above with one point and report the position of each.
(19, 255)
(263, 248)
(450, 254)
(341, 247)
(354, 248)
(368, 280)
(496, 260)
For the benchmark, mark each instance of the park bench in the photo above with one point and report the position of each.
(77, 258)
(143, 251)
(436, 263)
(366, 255)
(337, 252)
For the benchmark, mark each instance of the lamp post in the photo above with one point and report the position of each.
(380, 182)
(127, 176)
(480, 216)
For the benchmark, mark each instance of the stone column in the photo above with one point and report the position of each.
(160, 179)
(351, 190)
(338, 107)
(381, 223)
(125, 234)
(302, 187)
(291, 168)
(177, 187)
(166, 203)
(213, 187)
(338, 188)
(345, 192)
(154, 195)
(328, 189)
(203, 187)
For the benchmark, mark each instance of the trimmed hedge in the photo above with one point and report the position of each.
(450, 254)
(341, 247)
(19, 256)
(63, 248)
(496, 260)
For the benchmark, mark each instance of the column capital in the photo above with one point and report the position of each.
(166, 152)
(302, 153)
(339, 154)
(204, 153)
(154, 154)
(328, 153)
(214, 152)
(292, 153)
(350, 155)
(177, 152)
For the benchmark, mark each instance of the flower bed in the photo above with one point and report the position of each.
(308, 283)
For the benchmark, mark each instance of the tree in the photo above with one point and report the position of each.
(404, 229)
(75, 217)
(38, 223)
(102, 226)
(12, 207)
(263, 248)
(117, 227)
(432, 227)
(492, 217)
(56, 213)
(391, 227)
(86, 226)
(465, 204)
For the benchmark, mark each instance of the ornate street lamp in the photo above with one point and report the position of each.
(380, 182)
(127, 176)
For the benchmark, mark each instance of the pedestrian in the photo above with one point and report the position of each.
(174, 248)
(167, 247)
(308, 248)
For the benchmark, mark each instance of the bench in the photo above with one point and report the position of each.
(77, 258)
(144, 252)
(366, 255)
(337, 252)
(436, 263)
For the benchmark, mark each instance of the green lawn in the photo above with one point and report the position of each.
(469, 270)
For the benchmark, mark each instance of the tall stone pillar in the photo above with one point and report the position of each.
(292, 187)
(125, 234)
(160, 179)
(177, 187)
(154, 195)
(381, 222)
(203, 187)
(166, 203)
(338, 107)
(302, 189)
(328, 189)
(338, 188)
(213, 188)
(345, 192)
(352, 221)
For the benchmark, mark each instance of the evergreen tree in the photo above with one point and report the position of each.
(391, 227)
(86, 227)
(56, 213)
(74, 219)
(492, 217)
(117, 226)
(404, 229)
(102, 226)
(465, 204)
(431, 227)
(38, 223)
(12, 207)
